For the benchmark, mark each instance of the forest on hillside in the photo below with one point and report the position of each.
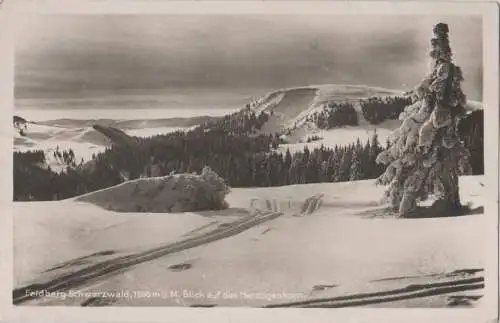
(230, 146)
(334, 115)
(377, 109)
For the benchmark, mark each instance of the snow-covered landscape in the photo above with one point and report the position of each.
(331, 225)
(295, 183)
(50, 129)
(322, 260)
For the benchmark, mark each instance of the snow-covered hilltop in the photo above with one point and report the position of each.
(288, 111)
(290, 107)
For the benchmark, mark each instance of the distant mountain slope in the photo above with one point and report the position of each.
(289, 109)
(116, 135)
(131, 124)
(83, 141)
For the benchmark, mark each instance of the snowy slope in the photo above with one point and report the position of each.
(292, 106)
(319, 236)
(83, 140)
(289, 109)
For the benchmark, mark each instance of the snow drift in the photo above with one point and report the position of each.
(172, 193)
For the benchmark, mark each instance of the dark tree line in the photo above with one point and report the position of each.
(31, 178)
(378, 109)
(264, 168)
(30, 157)
(335, 115)
(241, 122)
(244, 161)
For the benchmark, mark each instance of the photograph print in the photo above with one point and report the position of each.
(250, 160)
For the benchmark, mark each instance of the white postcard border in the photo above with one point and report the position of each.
(11, 11)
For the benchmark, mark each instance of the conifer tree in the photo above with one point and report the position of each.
(342, 173)
(426, 156)
(355, 170)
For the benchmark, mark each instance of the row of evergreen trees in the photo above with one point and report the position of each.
(378, 109)
(30, 157)
(352, 162)
(375, 110)
(66, 156)
(243, 160)
(335, 115)
(241, 122)
(31, 178)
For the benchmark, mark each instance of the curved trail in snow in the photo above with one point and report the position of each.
(450, 285)
(447, 288)
(104, 269)
(100, 271)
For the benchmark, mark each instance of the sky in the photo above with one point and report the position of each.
(82, 55)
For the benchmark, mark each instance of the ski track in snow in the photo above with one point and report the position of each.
(102, 270)
(279, 229)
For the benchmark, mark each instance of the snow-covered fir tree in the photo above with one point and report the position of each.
(355, 169)
(426, 156)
